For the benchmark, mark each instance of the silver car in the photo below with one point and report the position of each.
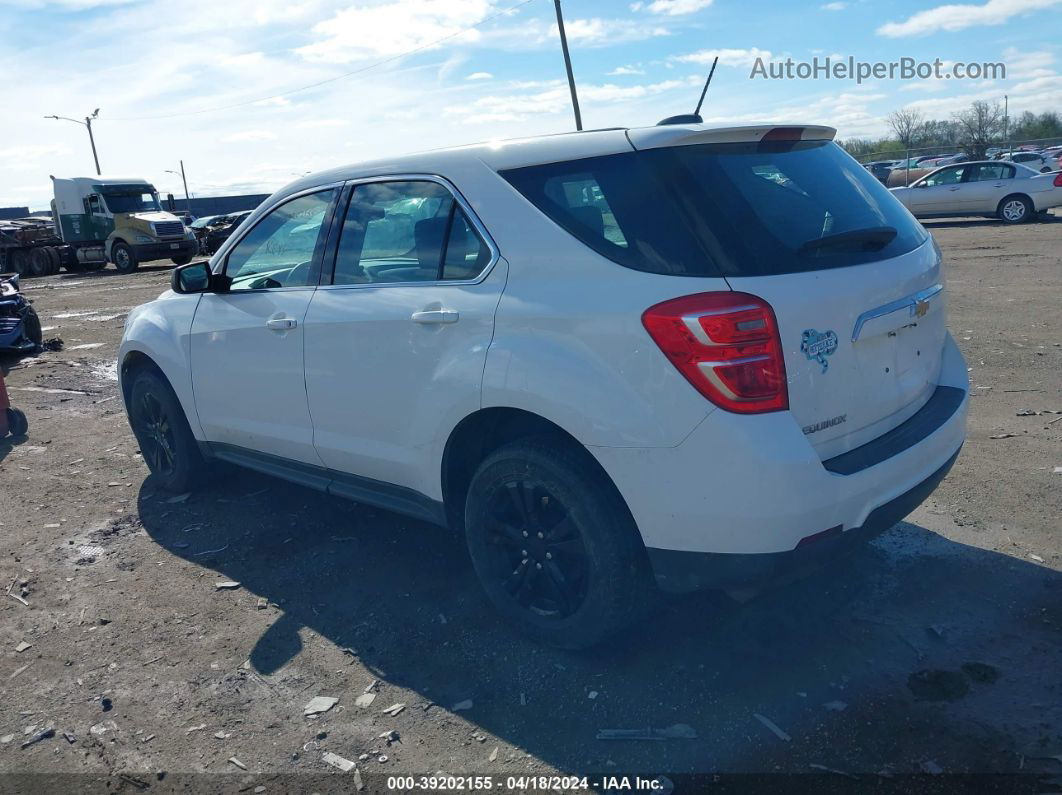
(991, 188)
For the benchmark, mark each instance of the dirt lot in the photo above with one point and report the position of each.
(938, 649)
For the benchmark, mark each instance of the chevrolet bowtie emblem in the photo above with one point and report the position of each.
(920, 308)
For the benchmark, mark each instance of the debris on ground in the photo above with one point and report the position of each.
(1037, 558)
(43, 734)
(1003, 436)
(70, 737)
(198, 728)
(52, 344)
(391, 736)
(319, 705)
(335, 760)
(233, 760)
(1026, 413)
(365, 700)
(394, 709)
(23, 646)
(461, 706)
(493, 755)
(371, 686)
(381, 758)
(228, 585)
(103, 727)
(770, 724)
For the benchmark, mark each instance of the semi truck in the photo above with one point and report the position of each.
(96, 220)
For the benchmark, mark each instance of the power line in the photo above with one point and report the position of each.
(345, 75)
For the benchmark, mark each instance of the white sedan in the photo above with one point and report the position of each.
(990, 188)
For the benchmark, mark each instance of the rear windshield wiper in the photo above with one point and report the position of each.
(872, 239)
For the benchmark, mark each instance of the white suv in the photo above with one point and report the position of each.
(700, 356)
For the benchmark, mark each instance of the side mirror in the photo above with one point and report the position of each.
(194, 277)
(920, 185)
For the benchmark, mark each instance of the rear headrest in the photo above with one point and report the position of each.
(590, 217)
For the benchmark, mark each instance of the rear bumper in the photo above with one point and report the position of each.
(753, 486)
(149, 251)
(680, 572)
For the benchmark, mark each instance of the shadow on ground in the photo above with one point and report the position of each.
(828, 660)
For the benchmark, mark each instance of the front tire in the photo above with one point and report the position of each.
(17, 424)
(166, 442)
(31, 326)
(183, 260)
(554, 547)
(124, 258)
(1015, 210)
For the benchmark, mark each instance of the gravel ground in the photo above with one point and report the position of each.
(936, 649)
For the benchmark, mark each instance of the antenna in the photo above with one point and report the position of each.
(708, 82)
(695, 117)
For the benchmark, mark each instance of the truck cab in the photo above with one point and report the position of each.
(118, 220)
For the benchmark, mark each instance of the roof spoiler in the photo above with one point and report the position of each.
(682, 133)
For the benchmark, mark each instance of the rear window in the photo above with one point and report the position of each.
(725, 209)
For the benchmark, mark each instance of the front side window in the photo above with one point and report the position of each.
(282, 250)
(407, 231)
(946, 176)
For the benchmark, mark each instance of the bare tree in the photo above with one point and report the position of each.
(980, 125)
(907, 125)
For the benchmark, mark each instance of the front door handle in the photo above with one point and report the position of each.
(436, 316)
(281, 323)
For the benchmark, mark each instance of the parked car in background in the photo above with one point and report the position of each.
(1034, 160)
(219, 229)
(880, 169)
(1011, 192)
(587, 352)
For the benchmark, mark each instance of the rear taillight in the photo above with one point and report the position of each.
(1058, 180)
(727, 346)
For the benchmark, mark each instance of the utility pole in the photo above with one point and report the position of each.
(187, 198)
(568, 66)
(1006, 121)
(87, 124)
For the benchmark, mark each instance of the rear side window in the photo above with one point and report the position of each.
(725, 209)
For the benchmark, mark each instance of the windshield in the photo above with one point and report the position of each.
(725, 209)
(131, 200)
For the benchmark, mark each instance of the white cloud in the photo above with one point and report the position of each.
(553, 98)
(961, 16)
(626, 70)
(394, 28)
(249, 135)
(834, 6)
(480, 76)
(31, 151)
(727, 57)
(312, 124)
(673, 8)
(1021, 64)
(596, 31)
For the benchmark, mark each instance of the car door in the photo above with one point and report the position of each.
(247, 341)
(938, 193)
(986, 184)
(397, 342)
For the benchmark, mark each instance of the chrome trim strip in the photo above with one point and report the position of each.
(910, 303)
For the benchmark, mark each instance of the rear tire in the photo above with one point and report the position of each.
(1015, 210)
(166, 442)
(179, 261)
(554, 547)
(40, 263)
(18, 259)
(17, 424)
(124, 258)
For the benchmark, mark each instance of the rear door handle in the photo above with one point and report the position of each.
(436, 316)
(281, 323)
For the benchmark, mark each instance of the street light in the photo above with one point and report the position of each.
(187, 200)
(87, 123)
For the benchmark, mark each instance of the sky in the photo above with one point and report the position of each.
(251, 94)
